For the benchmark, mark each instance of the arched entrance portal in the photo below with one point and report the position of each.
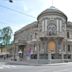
(51, 46)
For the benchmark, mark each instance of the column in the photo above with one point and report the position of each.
(60, 25)
(24, 52)
(15, 52)
(62, 51)
(62, 57)
(49, 57)
(57, 27)
(45, 24)
(45, 50)
(38, 52)
(71, 52)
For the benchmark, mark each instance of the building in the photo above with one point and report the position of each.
(47, 40)
(5, 52)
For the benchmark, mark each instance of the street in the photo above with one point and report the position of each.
(60, 67)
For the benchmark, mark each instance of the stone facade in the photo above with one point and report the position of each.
(49, 39)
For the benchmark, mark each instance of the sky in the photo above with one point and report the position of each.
(18, 14)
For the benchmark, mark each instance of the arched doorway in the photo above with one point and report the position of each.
(51, 46)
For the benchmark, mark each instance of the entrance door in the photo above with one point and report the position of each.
(21, 48)
(51, 46)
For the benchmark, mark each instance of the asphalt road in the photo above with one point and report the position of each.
(62, 67)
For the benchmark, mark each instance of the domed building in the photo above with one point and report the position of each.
(47, 40)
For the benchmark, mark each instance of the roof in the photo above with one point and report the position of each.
(69, 24)
(51, 10)
(31, 25)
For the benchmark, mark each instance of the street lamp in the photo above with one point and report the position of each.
(11, 1)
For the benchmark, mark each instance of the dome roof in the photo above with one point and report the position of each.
(52, 10)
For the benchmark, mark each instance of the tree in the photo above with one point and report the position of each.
(1, 40)
(6, 33)
(5, 37)
(0, 35)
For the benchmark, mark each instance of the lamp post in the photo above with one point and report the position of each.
(11, 1)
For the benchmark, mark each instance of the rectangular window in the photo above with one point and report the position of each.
(69, 56)
(31, 37)
(67, 34)
(34, 56)
(35, 35)
(68, 47)
(43, 26)
(60, 25)
(43, 56)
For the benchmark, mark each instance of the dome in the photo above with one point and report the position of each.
(52, 10)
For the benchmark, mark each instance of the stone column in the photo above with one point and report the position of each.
(62, 51)
(60, 26)
(57, 26)
(71, 52)
(49, 57)
(46, 49)
(38, 52)
(16, 53)
(24, 52)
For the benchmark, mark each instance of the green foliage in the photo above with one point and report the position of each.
(5, 36)
(1, 36)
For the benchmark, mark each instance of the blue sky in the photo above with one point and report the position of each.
(30, 7)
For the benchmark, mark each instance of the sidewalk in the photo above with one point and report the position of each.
(2, 63)
(21, 63)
